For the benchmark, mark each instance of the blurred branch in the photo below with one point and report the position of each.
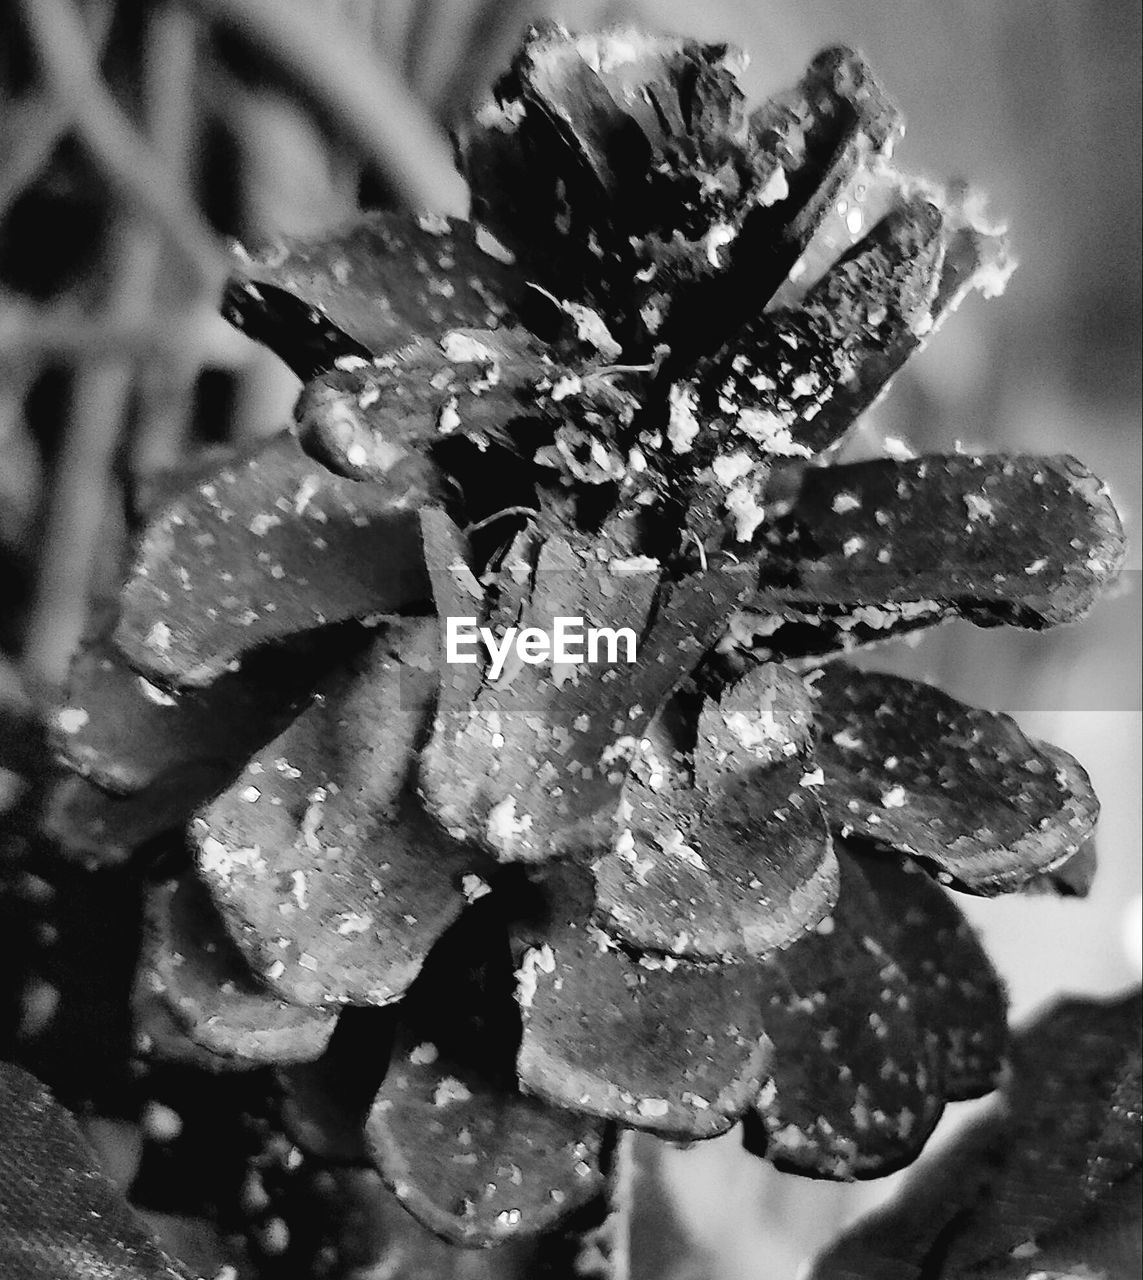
(290, 180)
(81, 499)
(425, 22)
(33, 127)
(492, 37)
(363, 95)
(68, 66)
(166, 387)
(37, 335)
(78, 506)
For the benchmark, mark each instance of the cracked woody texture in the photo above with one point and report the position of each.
(706, 887)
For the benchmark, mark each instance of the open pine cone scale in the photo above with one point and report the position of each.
(664, 895)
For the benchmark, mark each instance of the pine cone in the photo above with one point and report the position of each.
(666, 894)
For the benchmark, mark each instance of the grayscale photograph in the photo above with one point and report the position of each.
(570, 648)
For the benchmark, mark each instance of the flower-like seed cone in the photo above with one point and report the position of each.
(663, 893)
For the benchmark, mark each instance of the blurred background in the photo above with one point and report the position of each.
(135, 137)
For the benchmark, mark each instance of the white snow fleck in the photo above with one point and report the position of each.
(71, 719)
(634, 564)
(772, 432)
(433, 223)
(653, 1108)
(473, 887)
(682, 424)
(448, 419)
(462, 348)
(154, 694)
(215, 859)
(562, 388)
(618, 47)
(621, 750)
(625, 848)
(504, 828)
(717, 238)
(352, 922)
(263, 523)
(730, 468)
(306, 490)
(450, 1090)
(979, 508)
(311, 819)
(743, 507)
(774, 189)
(898, 449)
(159, 637)
(298, 888)
(487, 243)
(676, 847)
(536, 960)
(504, 116)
